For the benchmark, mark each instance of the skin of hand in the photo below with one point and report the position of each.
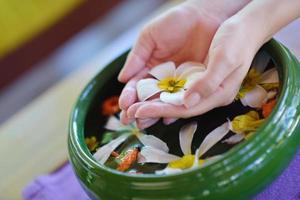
(229, 57)
(184, 33)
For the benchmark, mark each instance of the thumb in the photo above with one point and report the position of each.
(220, 65)
(138, 56)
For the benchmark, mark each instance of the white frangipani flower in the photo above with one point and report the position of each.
(114, 124)
(188, 160)
(169, 81)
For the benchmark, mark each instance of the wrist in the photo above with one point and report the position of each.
(216, 9)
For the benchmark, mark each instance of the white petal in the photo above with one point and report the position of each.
(163, 70)
(103, 153)
(146, 88)
(236, 138)
(187, 68)
(192, 78)
(152, 155)
(167, 171)
(270, 76)
(175, 98)
(152, 141)
(271, 95)
(186, 135)
(255, 98)
(196, 160)
(261, 61)
(213, 137)
(113, 124)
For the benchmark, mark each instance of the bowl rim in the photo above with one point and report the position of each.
(78, 118)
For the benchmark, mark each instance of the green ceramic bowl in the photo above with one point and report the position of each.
(241, 173)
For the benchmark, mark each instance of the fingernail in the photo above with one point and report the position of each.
(145, 123)
(192, 100)
(124, 118)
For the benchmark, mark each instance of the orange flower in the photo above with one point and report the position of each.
(110, 106)
(128, 160)
(268, 107)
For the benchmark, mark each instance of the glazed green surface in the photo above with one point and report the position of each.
(242, 172)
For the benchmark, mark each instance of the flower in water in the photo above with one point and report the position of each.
(244, 126)
(188, 160)
(258, 85)
(169, 81)
(128, 160)
(124, 132)
(110, 106)
(91, 143)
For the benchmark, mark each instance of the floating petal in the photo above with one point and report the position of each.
(146, 88)
(152, 141)
(186, 135)
(255, 98)
(175, 98)
(113, 124)
(213, 137)
(152, 155)
(236, 138)
(270, 76)
(163, 70)
(103, 153)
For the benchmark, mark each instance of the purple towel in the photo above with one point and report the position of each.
(62, 185)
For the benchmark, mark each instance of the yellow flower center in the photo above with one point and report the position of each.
(171, 84)
(185, 162)
(247, 123)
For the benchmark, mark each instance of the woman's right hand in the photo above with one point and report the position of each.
(182, 34)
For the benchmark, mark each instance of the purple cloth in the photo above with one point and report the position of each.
(62, 185)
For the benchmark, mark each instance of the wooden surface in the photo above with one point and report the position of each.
(34, 141)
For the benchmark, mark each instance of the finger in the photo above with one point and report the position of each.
(159, 109)
(220, 65)
(128, 95)
(125, 119)
(224, 95)
(168, 121)
(133, 108)
(138, 57)
(145, 123)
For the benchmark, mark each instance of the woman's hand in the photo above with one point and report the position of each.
(182, 34)
(229, 57)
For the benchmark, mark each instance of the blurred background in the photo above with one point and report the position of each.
(42, 41)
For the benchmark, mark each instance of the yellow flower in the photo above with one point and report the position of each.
(252, 79)
(91, 143)
(247, 123)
